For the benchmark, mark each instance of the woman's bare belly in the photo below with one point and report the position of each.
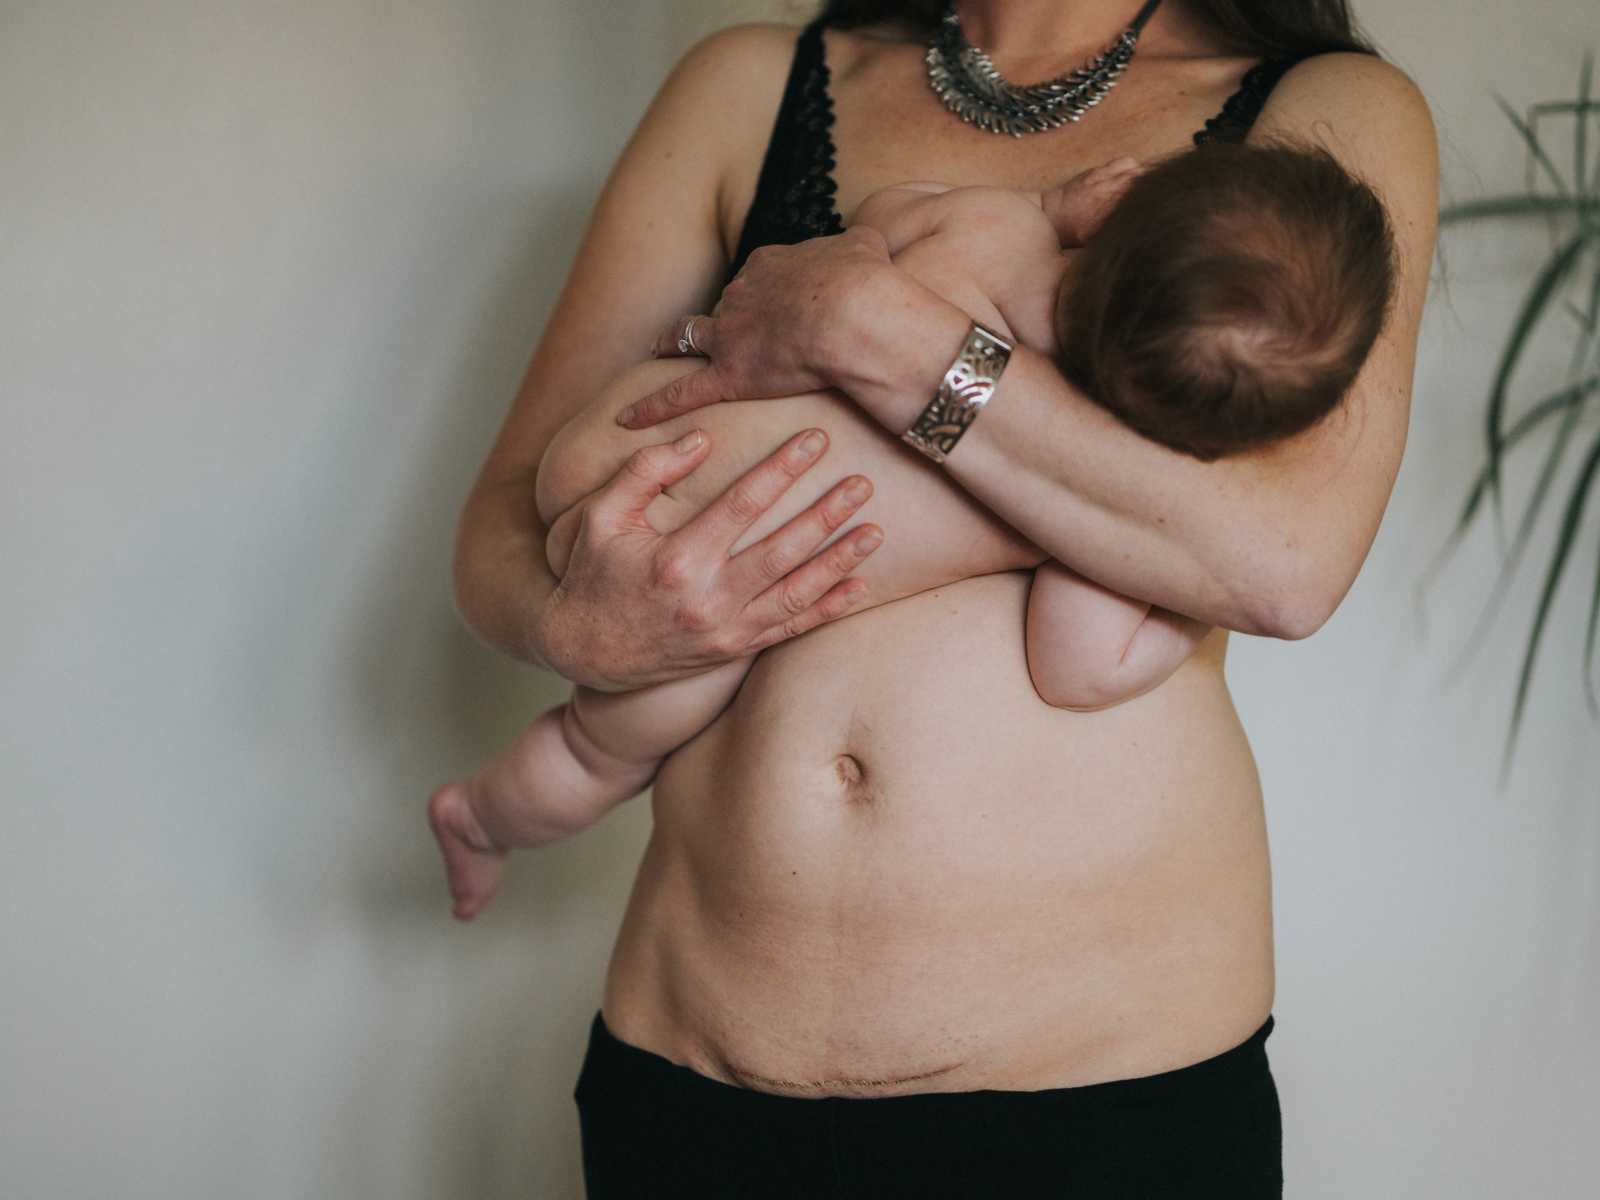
(888, 867)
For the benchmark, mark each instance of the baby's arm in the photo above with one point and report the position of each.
(1090, 648)
(907, 212)
(902, 213)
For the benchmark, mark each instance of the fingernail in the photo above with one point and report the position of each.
(812, 443)
(689, 441)
(857, 491)
(627, 415)
(868, 542)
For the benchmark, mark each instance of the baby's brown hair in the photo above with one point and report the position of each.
(1230, 297)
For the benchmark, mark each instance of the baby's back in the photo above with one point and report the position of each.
(934, 532)
(990, 251)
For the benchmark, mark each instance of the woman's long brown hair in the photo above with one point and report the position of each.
(1267, 27)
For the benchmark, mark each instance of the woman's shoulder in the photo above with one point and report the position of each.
(740, 53)
(1354, 90)
(719, 98)
(1372, 117)
(755, 50)
(1369, 113)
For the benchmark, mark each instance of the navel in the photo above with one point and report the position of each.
(856, 786)
(848, 768)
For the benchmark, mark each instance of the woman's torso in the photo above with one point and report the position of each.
(888, 867)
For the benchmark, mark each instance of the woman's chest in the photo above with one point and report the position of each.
(889, 126)
(874, 121)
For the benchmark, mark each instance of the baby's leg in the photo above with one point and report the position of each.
(1089, 647)
(566, 771)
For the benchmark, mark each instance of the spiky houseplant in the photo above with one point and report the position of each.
(1566, 287)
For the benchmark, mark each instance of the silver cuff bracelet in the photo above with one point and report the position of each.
(963, 392)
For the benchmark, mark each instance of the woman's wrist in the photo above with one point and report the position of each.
(891, 343)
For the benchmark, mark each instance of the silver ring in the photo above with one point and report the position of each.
(686, 342)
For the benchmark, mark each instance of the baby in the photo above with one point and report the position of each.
(1220, 300)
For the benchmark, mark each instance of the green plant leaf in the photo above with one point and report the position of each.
(1535, 148)
(1594, 180)
(1580, 124)
(1594, 297)
(1586, 321)
(1571, 519)
(1530, 514)
(1555, 404)
(1558, 107)
(1551, 405)
(1570, 404)
(1589, 639)
(1522, 204)
(1582, 109)
(1549, 280)
(1571, 213)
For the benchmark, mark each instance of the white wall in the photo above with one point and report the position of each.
(269, 273)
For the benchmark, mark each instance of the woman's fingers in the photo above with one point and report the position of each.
(719, 524)
(684, 394)
(814, 593)
(644, 474)
(836, 603)
(688, 335)
(758, 567)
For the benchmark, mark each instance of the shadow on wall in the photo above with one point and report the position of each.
(434, 703)
(507, 999)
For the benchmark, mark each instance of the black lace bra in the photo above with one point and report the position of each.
(794, 197)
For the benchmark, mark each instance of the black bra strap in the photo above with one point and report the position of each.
(794, 193)
(1242, 108)
(1144, 15)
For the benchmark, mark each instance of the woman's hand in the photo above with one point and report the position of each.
(771, 333)
(636, 607)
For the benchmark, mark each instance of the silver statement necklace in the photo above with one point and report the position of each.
(963, 77)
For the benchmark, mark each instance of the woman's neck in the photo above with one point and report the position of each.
(1031, 40)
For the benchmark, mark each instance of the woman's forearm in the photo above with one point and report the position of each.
(1249, 543)
(500, 577)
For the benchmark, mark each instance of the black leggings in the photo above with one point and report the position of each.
(653, 1128)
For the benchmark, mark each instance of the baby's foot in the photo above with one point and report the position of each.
(472, 862)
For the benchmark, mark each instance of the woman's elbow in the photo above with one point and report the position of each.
(468, 588)
(1302, 619)
(1296, 604)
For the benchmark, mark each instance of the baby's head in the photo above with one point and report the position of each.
(1230, 297)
